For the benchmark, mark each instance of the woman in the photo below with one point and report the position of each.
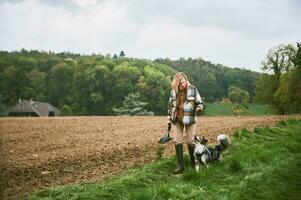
(183, 103)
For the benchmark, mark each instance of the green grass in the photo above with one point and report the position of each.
(214, 109)
(258, 109)
(264, 164)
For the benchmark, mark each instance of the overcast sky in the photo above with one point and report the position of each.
(234, 33)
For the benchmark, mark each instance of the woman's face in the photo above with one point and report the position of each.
(182, 84)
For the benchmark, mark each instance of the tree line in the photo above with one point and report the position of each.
(98, 85)
(280, 86)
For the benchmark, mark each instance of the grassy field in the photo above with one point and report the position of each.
(215, 109)
(264, 164)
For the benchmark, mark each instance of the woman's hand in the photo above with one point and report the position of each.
(198, 109)
(168, 119)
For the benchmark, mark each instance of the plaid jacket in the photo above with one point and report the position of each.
(192, 101)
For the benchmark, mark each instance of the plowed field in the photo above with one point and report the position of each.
(41, 152)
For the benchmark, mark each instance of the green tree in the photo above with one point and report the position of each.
(101, 93)
(15, 84)
(266, 86)
(213, 80)
(154, 87)
(237, 95)
(94, 84)
(280, 88)
(132, 105)
(281, 97)
(37, 87)
(66, 111)
(3, 108)
(279, 59)
(125, 77)
(122, 54)
(26, 63)
(61, 76)
(115, 56)
(89, 89)
(294, 84)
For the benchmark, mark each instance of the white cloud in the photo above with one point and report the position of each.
(234, 33)
(169, 38)
(94, 29)
(85, 3)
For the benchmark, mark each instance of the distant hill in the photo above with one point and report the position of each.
(213, 80)
(95, 84)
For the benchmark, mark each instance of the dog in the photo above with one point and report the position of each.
(204, 154)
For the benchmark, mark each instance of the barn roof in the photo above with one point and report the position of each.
(40, 108)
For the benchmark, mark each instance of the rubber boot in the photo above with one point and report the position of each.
(179, 153)
(191, 155)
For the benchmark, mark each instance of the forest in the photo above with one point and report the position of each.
(99, 84)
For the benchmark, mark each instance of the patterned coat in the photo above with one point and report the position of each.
(192, 101)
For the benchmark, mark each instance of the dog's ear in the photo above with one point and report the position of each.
(197, 138)
(204, 140)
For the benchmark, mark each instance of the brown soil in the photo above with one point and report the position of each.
(41, 152)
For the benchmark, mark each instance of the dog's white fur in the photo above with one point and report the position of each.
(200, 148)
(202, 153)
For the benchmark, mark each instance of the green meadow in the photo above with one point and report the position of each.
(264, 164)
(214, 109)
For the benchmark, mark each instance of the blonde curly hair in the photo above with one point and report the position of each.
(176, 80)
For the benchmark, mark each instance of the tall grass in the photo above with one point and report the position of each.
(264, 164)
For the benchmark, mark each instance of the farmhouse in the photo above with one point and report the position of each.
(34, 109)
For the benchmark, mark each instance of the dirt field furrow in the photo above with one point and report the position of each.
(41, 152)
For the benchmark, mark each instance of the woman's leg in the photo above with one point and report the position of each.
(178, 140)
(190, 133)
(178, 133)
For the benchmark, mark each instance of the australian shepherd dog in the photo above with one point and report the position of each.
(204, 154)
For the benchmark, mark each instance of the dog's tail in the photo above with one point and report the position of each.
(223, 140)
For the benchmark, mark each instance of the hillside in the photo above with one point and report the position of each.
(95, 84)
